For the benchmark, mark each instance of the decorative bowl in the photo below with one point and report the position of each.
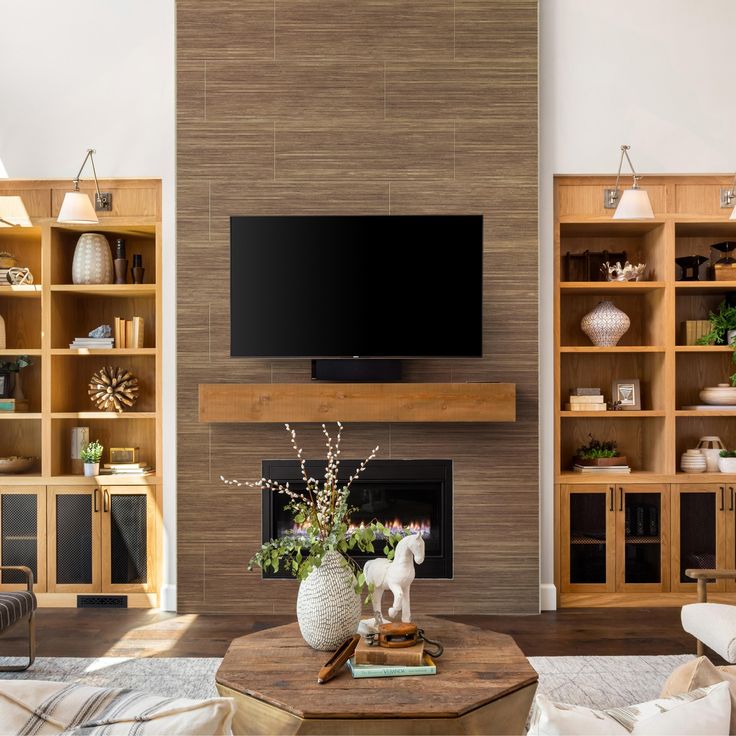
(693, 461)
(16, 464)
(711, 447)
(721, 395)
(727, 464)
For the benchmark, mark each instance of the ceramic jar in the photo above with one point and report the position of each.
(605, 325)
(711, 448)
(692, 461)
(727, 464)
(327, 607)
(92, 262)
(721, 395)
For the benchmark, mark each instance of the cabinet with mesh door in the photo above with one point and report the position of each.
(23, 536)
(102, 539)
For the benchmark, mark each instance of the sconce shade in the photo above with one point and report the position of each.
(77, 207)
(634, 204)
(13, 212)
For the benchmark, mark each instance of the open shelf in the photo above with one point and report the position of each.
(610, 288)
(690, 428)
(696, 370)
(26, 291)
(103, 351)
(21, 436)
(25, 244)
(643, 414)
(22, 322)
(615, 349)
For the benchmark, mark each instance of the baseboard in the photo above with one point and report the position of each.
(547, 597)
(168, 598)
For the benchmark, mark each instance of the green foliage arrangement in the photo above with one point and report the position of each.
(727, 453)
(321, 515)
(91, 452)
(15, 366)
(595, 449)
(721, 322)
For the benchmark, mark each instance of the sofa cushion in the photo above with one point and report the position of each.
(14, 606)
(702, 672)
(714, 624)
(702, 712)
(41, 708)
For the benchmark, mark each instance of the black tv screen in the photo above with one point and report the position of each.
(397, 286)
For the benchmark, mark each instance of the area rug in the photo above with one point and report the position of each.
(598, 682)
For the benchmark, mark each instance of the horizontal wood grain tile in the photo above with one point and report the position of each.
(383, 150)
(190, 89)
(371, 29)
(284, 90)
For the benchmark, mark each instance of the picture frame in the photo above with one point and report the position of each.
(626, 391)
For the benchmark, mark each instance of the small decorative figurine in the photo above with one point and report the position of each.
(397, 575)
(101, 331)
(113, 389)
(690, 266)
(627, 272)
(19, 276)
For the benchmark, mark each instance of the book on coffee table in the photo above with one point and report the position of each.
(412, 656)
(379, 670)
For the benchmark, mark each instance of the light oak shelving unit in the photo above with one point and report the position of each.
(606, 553)
(41, 321)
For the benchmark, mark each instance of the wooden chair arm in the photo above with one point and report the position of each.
(21, 568)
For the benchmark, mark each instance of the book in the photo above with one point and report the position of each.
(586, 407)
(133, 471)
(585, 392)
(118, 332)
(137, 332)
(597, 399)
(428, 667)
(7, 404)
(128, 333)
(601, 469)
(389, 656)
(124, 466)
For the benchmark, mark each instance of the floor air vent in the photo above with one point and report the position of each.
(102, 601)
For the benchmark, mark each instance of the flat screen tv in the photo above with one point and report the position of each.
(398, 286)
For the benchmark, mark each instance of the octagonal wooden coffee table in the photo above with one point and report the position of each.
(484, 685)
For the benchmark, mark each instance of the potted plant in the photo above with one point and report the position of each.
(598, 453)
(723, 330)
(91, 454)
(316, 551)
(10, 370)
(727, 461)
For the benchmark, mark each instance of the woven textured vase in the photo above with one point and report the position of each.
(605, 325)
(328, 608)
(92, 263)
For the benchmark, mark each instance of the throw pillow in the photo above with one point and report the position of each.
(702, 712)
(701, 672)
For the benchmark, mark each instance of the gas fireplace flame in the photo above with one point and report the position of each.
(396, 526)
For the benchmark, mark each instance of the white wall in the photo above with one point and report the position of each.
(656, 74)
(84, 74)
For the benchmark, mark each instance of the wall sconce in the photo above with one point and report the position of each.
(631, 204)
(728, 197)
(77, 206)
(13, 212)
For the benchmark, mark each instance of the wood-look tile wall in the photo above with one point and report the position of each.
(365, 107)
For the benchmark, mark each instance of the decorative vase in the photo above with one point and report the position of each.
(2, 333)
(328, 608)
(91, 469)
(692, 461)
(710, 447)
(721, 395)
(18, 394)
(92, 263)
(727, 464)
(605, 325)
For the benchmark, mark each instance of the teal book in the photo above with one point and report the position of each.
(380, 670)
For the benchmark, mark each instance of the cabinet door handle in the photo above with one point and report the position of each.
(106, 501)
(95, 501)
(723, 497)
(611, 491)
(730, 505)
(620, 498)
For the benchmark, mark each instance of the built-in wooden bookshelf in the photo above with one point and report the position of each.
(688, 220)
(41, 322)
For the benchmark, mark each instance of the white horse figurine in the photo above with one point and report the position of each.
(396, 575)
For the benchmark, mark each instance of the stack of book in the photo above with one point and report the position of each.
(129, 332)
(14, 405)
(586, 399)
(601, 469)
(126, 469)
(96, 343)
(372, 661)
(4, 276)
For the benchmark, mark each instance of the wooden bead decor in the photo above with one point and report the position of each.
(113, 388)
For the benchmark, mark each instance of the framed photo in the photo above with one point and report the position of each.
(627, 392)
(4, 384)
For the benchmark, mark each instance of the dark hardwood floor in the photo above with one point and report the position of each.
(63, 632)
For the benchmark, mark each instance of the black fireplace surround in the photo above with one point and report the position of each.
(400, 493)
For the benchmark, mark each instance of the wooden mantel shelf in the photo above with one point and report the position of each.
(357, 402)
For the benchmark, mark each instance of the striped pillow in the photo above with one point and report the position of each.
(38, 708)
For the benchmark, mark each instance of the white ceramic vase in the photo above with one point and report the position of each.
(328, 608)
(92, 263)
(727, 464)
(605, 325)
(91, 469)
(711, 447)
(692, 461)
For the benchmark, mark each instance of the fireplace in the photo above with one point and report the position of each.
(399, 493)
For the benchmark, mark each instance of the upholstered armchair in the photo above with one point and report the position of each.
(15, 606)
(712, 624)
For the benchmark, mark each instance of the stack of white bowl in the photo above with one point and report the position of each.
(693, 461)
